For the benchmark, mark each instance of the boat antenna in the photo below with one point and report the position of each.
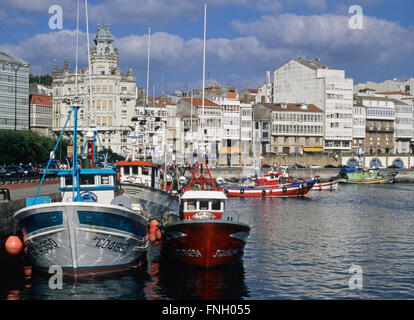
(76, 102)
(91, 114)
(204, 76)
(148, 65)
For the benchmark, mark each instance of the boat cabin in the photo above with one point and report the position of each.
(202, 205)
(96, 185)
(139, 172)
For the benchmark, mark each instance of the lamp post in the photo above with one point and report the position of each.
(16, 69)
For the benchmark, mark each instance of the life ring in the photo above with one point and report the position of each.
(241, 191)
(263, 193)
(284, 189)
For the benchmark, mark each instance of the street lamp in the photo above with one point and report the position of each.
(16, 68)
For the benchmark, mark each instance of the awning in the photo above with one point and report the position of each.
(313, 149)
(230, 150)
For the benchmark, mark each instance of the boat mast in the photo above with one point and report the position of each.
(76, 102)
(204, 76)
(148, 64)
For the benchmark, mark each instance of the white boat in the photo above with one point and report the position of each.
(90, 230)
(327, 185)
(141, 183)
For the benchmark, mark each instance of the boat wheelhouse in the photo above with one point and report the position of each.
(142, 183)
(97, 185)
(145, 173)
(197, 205)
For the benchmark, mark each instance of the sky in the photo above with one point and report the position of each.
(245, 38)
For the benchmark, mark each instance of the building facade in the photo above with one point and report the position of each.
(41, 114)
(312, 82)
(108, 97)
(295, 128)
(14, 93)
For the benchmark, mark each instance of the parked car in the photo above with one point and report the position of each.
(28, 170)
(2, 172)
(52, 170)
(13, 171)
(314, 166)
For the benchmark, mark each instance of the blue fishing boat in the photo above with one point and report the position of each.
(91, 230)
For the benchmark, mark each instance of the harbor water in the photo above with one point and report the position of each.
(353, 243)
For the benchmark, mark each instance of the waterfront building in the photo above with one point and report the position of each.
(358, 128)
(403, 129)
(261, 134)
(111, 104)
(312, 82)
(14, 93)
(380, 119)
(295, 128)
(41, 114)
(211, 129)
(406, 86)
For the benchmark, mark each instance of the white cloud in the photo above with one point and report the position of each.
(329, 37)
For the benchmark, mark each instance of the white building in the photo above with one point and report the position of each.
(210, 132)
(403, 127)
(358, 128)
(111, 105)
(14, 93)
(311, 82)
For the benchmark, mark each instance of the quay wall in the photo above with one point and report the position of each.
(8, 208)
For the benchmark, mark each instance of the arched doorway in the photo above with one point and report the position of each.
(398, 163)
(352, 163)
(375, 163)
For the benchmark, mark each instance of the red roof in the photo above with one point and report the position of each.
(42, 100)
(199, 102)
(136, 163)
(394, 92)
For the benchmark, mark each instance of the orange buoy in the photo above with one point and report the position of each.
(158, 234)
(154, 223)
(14, 245)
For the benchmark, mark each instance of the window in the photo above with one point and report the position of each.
(191, 205)
(203, 205)
(87, 179)
(216, 205)
(104, 180)
(68, 180)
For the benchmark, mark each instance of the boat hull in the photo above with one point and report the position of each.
(292, 190)
(370, 181)
(153, 201)
(330, 185)
(204, 243)
(83, 237)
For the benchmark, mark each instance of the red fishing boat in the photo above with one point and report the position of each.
(204, 234)
(293, 189)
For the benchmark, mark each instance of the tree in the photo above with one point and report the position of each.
(46, 79)
(28, 147)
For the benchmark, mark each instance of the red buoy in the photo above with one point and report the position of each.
(14, 245)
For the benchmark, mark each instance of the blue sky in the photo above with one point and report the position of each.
(244, 37)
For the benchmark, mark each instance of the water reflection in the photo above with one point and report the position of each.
(178, 282)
